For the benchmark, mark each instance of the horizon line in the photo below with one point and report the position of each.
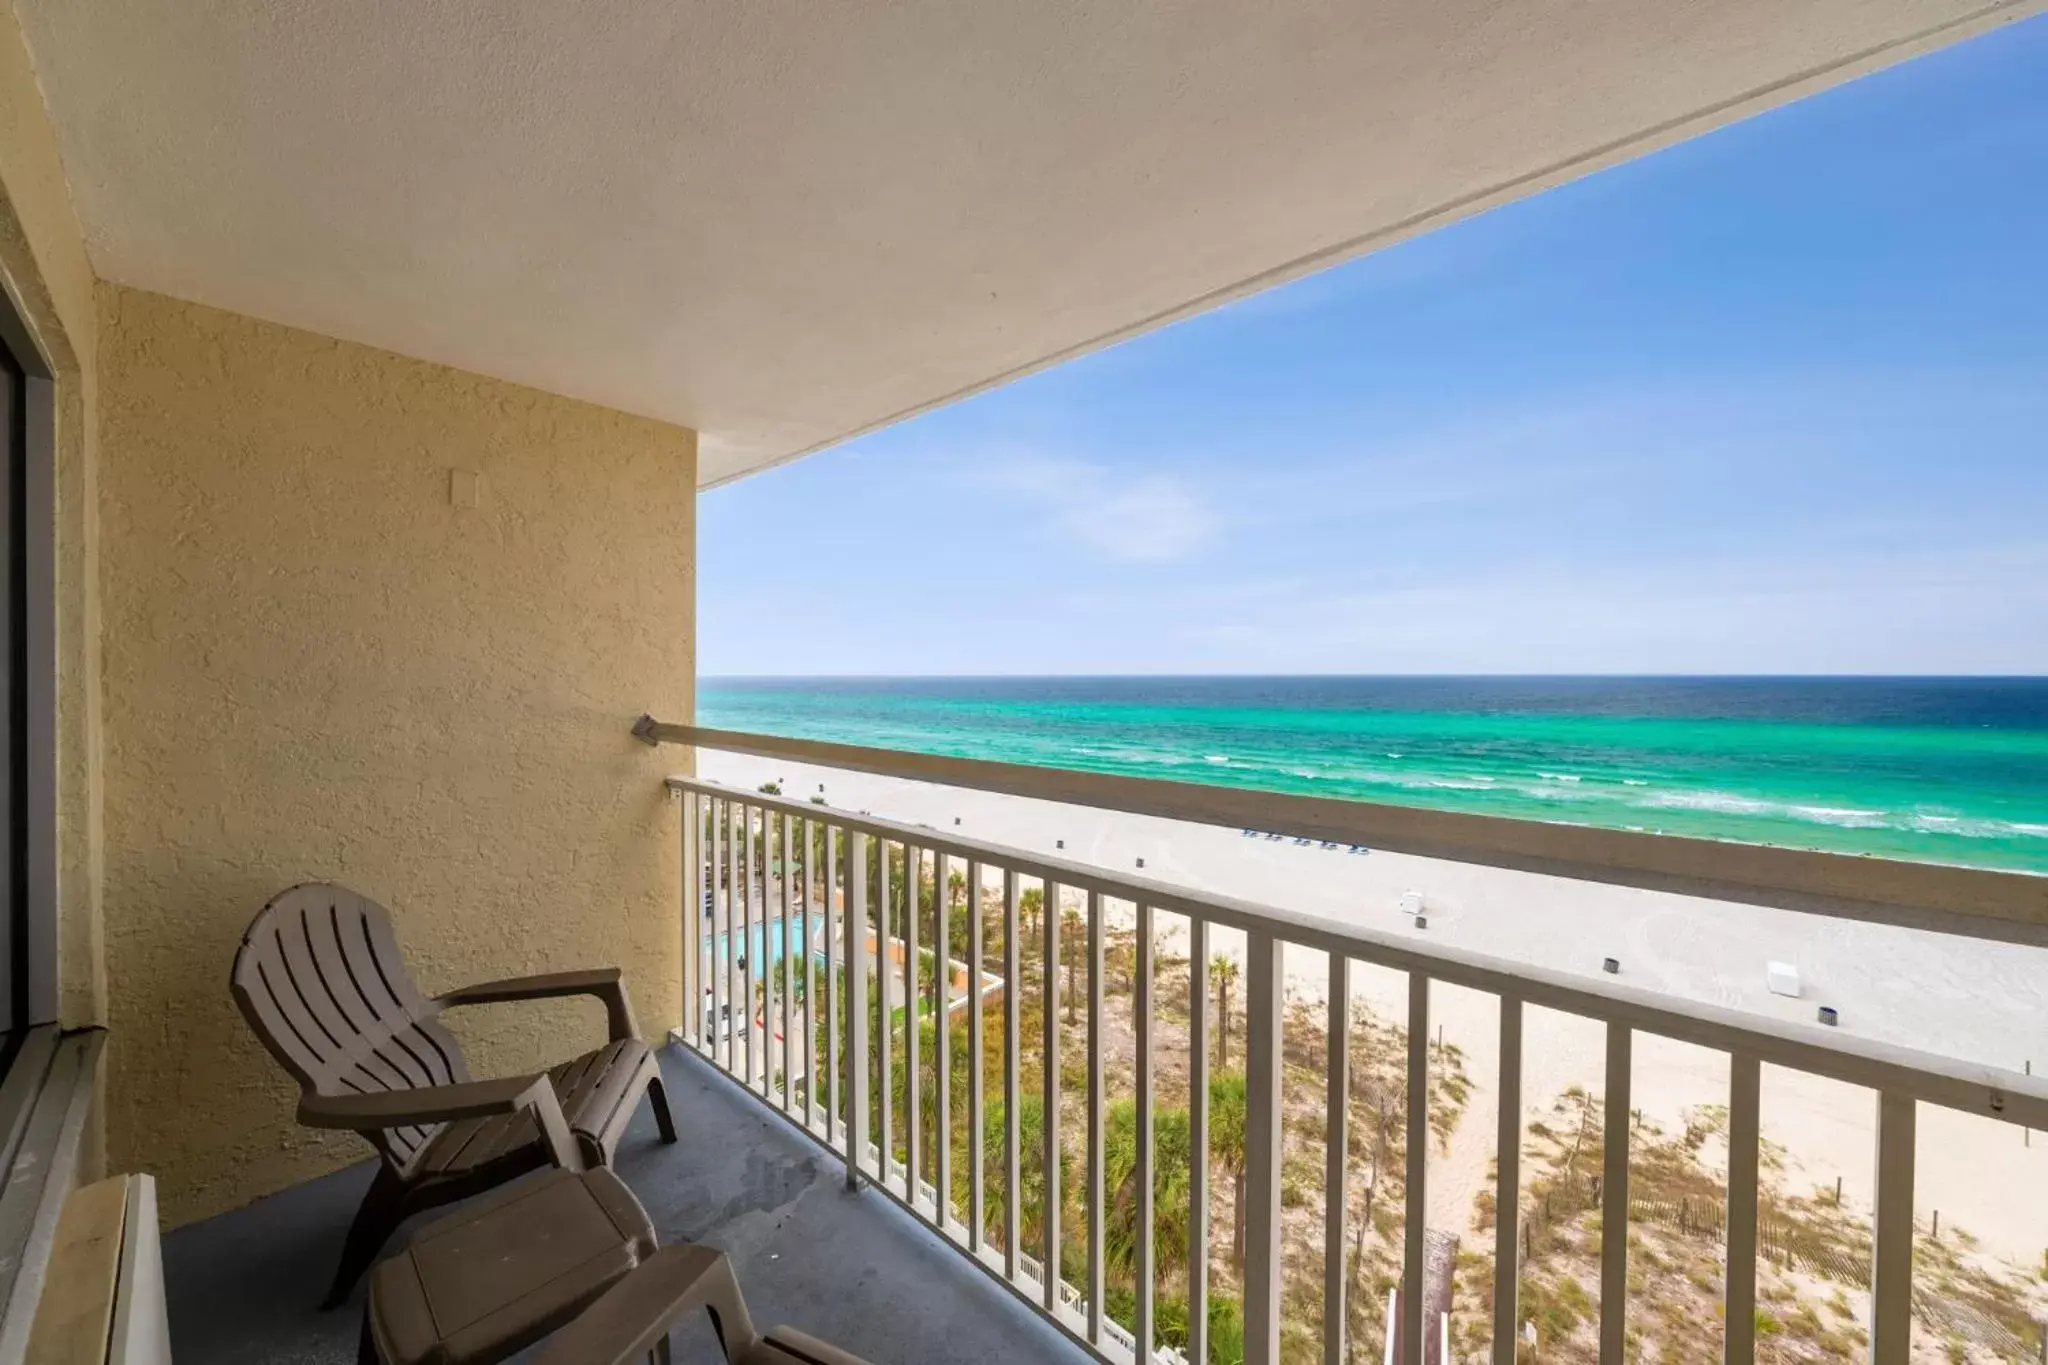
(1531, 676)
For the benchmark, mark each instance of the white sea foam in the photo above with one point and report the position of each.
(1847, 817)
(1965, 828)
(1724, 803)
(1154, 757)
(1727, 803)
(1413, 781)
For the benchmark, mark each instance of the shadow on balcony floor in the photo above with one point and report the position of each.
(852, 1268)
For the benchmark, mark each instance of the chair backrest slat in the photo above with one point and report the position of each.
(415, 1042)
(320, 978)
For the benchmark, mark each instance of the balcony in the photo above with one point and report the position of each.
(850, 1267)
(357, 371)
(898, 1177)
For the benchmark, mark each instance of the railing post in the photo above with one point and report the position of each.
(885, 1057)
(1336, 1161)
(1614, 1196)
(1049, 1212)
(725, 1015)
(1198, 1141)
(693, 922)
(788, 967)
(811, 861)
(913, 1002)
(1141, 1010)
(1264, 1014)
(1013, 1234)
(977, 1143)
(1096, 1285)
(1416, 1216)
(745, 947)
(1891, 1270)
(1507, 1193)
(1744, 1105)
(856, 1005)
(835, 986)
(942, 1064)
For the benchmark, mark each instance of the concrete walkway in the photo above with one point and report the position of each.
(851, 1268)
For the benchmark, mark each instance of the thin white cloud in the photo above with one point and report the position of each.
(1141, 519)
(1982, 610)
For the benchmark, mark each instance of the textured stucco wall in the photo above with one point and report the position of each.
(43, 261)
(317, 665)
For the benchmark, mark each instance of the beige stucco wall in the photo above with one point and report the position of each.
(319, 666)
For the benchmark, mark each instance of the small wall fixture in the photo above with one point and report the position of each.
(1611, 966)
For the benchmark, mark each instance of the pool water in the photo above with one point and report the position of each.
(763, 943)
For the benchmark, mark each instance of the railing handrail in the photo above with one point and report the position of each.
(1969, 1087)
(1966, 901)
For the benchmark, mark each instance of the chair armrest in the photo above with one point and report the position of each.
(447, 1103)
(797, 1348)
(605, 983)
(630, 1317)
(638, 1312)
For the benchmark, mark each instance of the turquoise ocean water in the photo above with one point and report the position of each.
(1942, 770)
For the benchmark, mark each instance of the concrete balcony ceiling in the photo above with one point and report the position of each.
(783, 223)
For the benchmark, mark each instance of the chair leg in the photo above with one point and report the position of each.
(657, 1097)
(381, 1212)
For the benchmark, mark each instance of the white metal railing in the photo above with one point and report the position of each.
(846, 889)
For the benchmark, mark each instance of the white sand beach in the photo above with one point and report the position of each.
(1958, 997)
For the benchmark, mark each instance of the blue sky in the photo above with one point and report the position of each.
(1771, 401)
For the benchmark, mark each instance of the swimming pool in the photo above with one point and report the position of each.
(763, 943)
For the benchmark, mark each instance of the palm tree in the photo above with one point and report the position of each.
(1029, 906)
(1030, 1170)
(1170, 1172)
(1223, 971)
(1227, 1138)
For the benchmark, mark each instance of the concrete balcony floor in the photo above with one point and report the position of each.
(851, 1268)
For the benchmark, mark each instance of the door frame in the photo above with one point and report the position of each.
(38, 935)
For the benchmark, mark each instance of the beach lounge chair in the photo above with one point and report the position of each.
(320, 979)
(571, 1260)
